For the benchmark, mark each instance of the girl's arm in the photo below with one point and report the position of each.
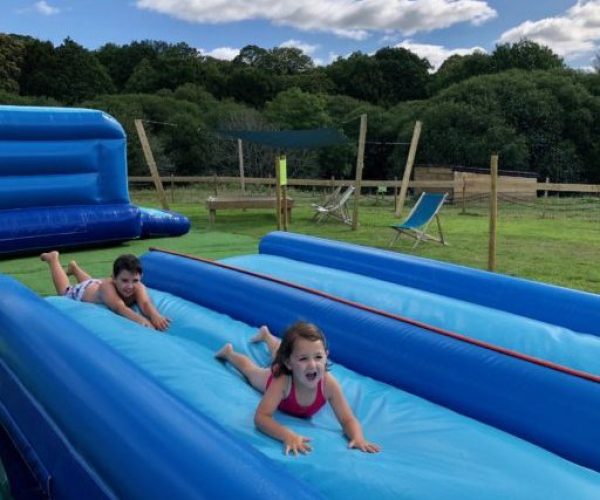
(264, 421)
(149, 310)
(347, 420)
(111, 298)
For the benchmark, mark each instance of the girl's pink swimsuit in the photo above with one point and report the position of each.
(291, 406)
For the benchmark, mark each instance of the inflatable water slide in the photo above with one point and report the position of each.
(476, 385)
(63, 182)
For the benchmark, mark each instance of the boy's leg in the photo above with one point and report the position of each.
(264, 335)
(256, 375)
(73, 269)
(59, 276)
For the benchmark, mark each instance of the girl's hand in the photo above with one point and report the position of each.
(146, 323)
(364, 445)
(294, 443)
(160, 322)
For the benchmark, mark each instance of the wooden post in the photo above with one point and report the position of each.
(151, 163)
(360, 162)
(493, 212)
(172, 189)
(241, 161)
(408, 167)
(277, 192)
(284, 207)
(545, 199)
(464, 193)
(215, 185)
(395, 193)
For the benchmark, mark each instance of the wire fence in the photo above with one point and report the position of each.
(582, 207)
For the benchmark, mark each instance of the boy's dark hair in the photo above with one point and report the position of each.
(127, 262)
(301, 329)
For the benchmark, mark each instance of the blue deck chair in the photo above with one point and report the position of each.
(425, 210)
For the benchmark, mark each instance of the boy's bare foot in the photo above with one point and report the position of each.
(262, 335)
(49, 256)
(224, 352)
(71, 268)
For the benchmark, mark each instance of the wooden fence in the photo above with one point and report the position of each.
(449, 185)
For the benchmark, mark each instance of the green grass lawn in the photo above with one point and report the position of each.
(560, 250)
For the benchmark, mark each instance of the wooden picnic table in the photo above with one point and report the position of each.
(214, 203)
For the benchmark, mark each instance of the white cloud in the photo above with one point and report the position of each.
(45, 8)
(575, 33)
(307, 48)
(224, 53)
(436, 54)
(345, 18)
(319, 61)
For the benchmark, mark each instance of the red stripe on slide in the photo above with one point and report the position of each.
(431, 328)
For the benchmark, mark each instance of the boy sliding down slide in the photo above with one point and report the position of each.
(119, 292)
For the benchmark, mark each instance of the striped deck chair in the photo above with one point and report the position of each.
(337, 209)
(425, 210)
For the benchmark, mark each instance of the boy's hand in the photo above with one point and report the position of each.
(160, 322)
(364, 445)
(295, 444)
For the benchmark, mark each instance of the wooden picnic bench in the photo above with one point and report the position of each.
(214, 203)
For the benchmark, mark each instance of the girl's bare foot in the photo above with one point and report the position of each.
(262, 335)
(71, 268)
(49, 256)
(224, 352)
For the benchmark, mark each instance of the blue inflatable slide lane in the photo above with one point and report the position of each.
(97, 406)
(63, 182)
(90, 424)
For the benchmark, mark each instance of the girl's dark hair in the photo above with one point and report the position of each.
(127, 262)
(301, 329)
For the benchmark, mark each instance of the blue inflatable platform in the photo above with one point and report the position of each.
(100, 407)
(63, 182)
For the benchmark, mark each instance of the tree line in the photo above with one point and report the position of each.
(520, 101)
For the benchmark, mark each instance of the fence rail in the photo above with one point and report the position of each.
(430, 184)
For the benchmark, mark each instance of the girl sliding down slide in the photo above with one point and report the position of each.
(297, 383)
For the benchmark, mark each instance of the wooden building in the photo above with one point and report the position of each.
(471, 183)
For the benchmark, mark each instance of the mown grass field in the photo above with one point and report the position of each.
(561, 247)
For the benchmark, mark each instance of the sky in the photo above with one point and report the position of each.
(323, 29)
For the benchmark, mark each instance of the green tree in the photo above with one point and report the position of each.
(392, 75)
(277, 61)
(79, 74)
(526, 55)
(294, 109)
(251, 86)
(194, 93)
(540, 121)
(39, 69)
(173, 127)
(17, 100)
(12, 52)
(404, 75)
(458, 68)
(179, 64)
(314, 81)
(143, 78)
(357, 76)
(287, 61)
(121, 61)
(250, 55)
